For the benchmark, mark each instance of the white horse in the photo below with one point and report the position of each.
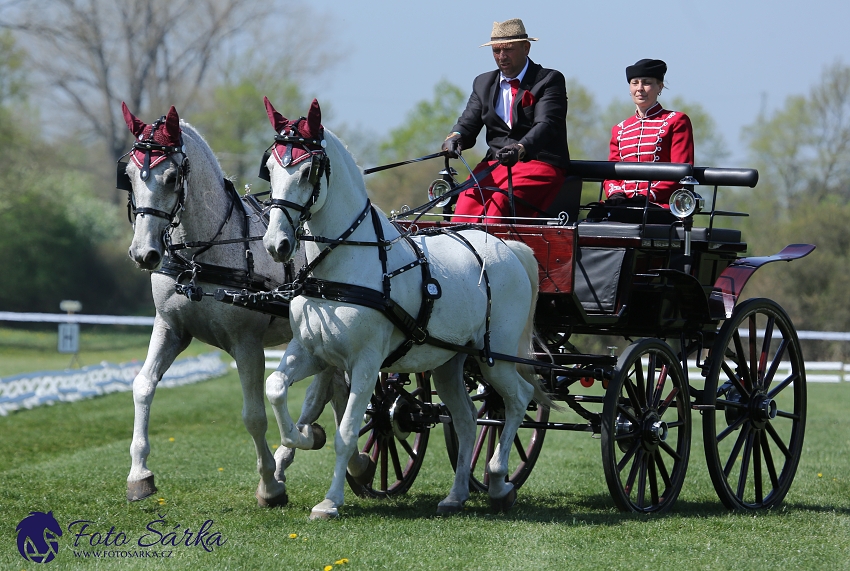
(178, 192)
(311, 204)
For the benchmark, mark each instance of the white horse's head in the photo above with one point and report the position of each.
(298, 168)
(157, 172)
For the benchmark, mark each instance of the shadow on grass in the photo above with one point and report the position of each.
(597, 509)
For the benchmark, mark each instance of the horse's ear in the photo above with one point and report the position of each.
(314, 118)
(277, 120)
(136, 126)
(172, 126)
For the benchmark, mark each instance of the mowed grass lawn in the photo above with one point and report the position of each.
(73, 459)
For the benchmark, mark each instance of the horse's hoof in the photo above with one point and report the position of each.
(319, 437)
(325, 510)
(449, 508)
(504, 503)
(366, 476)
(278, 501)
(140, 489)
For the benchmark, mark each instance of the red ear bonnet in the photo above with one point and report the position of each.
(308, 134)
(164, 132)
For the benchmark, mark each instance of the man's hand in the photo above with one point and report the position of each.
(452, 145)
(509, 155)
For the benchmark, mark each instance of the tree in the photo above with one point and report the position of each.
(802, 150)
(94, 54)
(422, 133)
(240, 134)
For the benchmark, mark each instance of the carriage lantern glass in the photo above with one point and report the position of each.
(685, 202)
(437, 189)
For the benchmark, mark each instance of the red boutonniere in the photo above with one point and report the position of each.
(527, 99)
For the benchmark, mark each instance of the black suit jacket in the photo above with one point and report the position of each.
(540, 127)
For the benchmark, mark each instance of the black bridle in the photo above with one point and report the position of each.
(124, 182)
(320, 165)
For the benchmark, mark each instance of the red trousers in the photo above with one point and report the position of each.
(534, 182)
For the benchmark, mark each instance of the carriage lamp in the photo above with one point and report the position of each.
(438, 188)
(685, 202)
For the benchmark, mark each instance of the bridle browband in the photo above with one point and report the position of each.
(320, 164)
(146, 146)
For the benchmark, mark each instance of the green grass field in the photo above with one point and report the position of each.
(73, 459)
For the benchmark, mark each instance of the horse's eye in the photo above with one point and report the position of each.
(171, 177)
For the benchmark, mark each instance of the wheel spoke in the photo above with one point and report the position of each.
(730, 462)
(399, 473)
(732, 427)
(781, 386)
(631, 391)
(367, 426)
(674, 392)
(745, 465)
(768, 460)
(757, 467)
(408, 448)
(662, 469)
(650, 377)
(765, 350)
(479, 444)
(774, 365)
(741, 362)
(641, 498)
(653, 480)
(641, 385)
(621, 407)
(731, 404)
(788, 415)
(753, 362)
(520, 450)
(384, 467)
(659, 386)
(628, 456)
(732, 376)
(777, 440)
(669, 450)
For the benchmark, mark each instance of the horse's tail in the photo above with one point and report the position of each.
(525, 349)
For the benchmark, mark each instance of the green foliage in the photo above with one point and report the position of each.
(234, 122)
(422, 133)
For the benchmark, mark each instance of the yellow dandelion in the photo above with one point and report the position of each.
(342, 561)
(171, 439)
(161, 501)
(293, 535)
(820, 475)
(328, 567)
(275, 446)
(221, 469)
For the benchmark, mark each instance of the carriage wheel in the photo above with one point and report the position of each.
(757, 384)
(646, 428)
(527, 442)
(390, 438)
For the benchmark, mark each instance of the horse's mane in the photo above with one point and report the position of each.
(191, 133)
(341, 158)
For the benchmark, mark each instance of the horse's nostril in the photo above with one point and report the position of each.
(151, 258)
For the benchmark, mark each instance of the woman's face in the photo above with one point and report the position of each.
(645, 91)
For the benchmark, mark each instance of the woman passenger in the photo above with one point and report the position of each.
(652, 134)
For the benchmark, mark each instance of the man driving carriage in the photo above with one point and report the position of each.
(524, 108)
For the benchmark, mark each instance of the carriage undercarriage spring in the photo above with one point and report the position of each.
(671, 289)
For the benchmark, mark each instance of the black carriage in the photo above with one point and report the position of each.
(668, 284)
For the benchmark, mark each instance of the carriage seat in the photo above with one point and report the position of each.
(656, 232)
(567, 200)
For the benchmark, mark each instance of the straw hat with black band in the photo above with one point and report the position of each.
(512, 30)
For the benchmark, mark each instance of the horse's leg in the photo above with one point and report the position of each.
(516, 393)
(327, 386)
(362, 377)
(448, 382)
(296, 364)
(250, 363)
(165, 345)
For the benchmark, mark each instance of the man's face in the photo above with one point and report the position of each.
(510, 57)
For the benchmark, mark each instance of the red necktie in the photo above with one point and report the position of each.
(514, 88)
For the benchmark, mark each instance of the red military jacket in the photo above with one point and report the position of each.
(661, 136)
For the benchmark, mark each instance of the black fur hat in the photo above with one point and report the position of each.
(647, 68)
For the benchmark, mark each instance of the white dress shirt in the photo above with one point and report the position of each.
(504, 100)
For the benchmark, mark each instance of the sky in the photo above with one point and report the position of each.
(733, 57)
